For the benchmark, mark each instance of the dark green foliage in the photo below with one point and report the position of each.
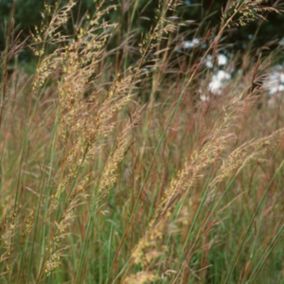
(28, 14)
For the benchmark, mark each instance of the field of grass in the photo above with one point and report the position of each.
(114, 170)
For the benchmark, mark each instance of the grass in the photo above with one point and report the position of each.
(114, 171)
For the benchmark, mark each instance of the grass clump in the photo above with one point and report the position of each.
(114, 170)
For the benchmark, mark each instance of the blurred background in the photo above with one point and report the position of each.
(205, 13)
(259, 39)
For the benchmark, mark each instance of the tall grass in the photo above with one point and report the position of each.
(114, 171)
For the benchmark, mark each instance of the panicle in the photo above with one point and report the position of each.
(191, 172)
(141, 278)
(244, 154)
(245, 12)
